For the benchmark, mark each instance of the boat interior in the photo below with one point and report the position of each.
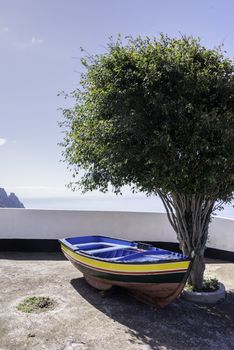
(108, 249)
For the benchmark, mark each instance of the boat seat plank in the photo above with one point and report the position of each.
(91, 243)
(102, 250)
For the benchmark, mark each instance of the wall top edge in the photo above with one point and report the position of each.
(97, 211)
(81, 210)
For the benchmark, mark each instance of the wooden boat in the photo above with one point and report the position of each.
(153, 275)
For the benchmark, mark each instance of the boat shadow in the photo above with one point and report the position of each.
(178, 326)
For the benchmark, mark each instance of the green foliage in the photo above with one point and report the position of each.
(154, 114)
(36, 304)
(209, 285)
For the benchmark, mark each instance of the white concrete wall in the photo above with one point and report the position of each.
(53, 224)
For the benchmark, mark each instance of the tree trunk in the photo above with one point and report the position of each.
(190, 216)
(197, 272)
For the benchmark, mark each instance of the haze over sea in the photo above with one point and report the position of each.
(138, 203)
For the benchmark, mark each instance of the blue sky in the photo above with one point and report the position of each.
(40, 44)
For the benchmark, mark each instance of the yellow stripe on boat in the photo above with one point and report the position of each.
(126, 267)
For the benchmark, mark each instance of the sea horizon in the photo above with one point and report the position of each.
(151, 204)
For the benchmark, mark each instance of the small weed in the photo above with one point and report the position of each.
(189, 287)
(36, 304)
(209, 285)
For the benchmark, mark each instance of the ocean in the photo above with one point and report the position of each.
(109, 203)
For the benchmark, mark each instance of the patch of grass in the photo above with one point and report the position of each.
(189, 287)
(209, 285)
(36, 304)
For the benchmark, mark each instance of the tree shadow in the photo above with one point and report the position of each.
(182, 325)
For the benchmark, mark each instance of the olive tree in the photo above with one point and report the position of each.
(157, 115)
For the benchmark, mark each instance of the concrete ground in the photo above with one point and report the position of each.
(84, 319)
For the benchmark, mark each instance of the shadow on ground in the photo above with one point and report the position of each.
(182, 325)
